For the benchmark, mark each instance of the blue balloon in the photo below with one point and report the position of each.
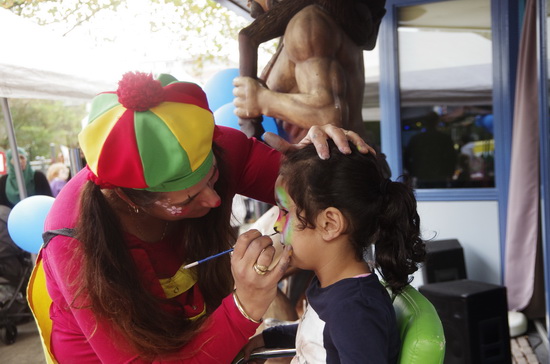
(219, 88)
(225, 116)
(269, 124)
(486, 122)
(26, 221)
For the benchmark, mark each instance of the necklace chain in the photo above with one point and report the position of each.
(163, 231)
(142, 235)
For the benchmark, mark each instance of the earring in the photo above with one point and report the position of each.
(132, 207)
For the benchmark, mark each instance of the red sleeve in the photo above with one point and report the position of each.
(76, 337)
(252, 165)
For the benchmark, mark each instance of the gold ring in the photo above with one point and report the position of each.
(346, 132)
(260, 269)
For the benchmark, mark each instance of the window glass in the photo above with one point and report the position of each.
(371, 98)
(445, 78)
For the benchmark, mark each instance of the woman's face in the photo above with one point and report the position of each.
(22, 161)
(193, 202)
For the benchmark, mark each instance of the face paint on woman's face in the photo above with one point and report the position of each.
(193, 202)
(285, 220)
(172, 209)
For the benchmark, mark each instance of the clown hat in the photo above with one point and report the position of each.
(149, 134)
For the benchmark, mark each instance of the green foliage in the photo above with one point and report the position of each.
(37, 123)
(70, 11)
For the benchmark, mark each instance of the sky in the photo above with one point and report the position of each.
(133, 46)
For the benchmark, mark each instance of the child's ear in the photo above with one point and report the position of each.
(331, 223)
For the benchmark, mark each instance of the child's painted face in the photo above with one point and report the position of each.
(287, 218)
(304, 249)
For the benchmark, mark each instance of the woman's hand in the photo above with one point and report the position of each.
(318, 135)
(254, 343)
(255, 286)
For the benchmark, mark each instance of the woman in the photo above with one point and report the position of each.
(36, 182)
(155, 196)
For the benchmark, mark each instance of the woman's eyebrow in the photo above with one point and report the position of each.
(191, 198)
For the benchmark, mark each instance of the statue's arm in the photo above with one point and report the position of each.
(265, 27)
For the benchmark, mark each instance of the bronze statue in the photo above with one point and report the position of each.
(317, 74)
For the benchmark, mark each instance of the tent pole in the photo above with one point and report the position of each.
(75, 160)
(13, 147)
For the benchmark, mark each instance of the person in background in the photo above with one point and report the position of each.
(155, 196)
(430, 157)
(58, 175)
(36, 182)
(331, 213)
(13, 259)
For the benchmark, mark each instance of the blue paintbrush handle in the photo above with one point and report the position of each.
(190, 265)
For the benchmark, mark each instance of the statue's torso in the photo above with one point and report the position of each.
(279, 75)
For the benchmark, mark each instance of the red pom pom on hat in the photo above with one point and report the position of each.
(139, 91)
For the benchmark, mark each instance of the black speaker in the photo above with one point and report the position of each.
(444, 261)
(475, 321)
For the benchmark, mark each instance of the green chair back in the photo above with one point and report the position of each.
(420, 328)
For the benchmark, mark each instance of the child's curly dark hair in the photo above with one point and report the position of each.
(379, 212)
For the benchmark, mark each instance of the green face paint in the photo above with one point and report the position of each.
(285, 220)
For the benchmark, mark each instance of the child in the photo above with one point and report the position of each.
(58, 176)
(331, 212)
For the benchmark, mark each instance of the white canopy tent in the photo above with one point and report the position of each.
(437, 68)
(37, 64)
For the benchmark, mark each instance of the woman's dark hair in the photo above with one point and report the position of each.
(110, 283)
(379, 212)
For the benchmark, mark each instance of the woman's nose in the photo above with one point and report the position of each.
(210, 197)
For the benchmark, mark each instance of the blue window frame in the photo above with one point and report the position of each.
(505, 26)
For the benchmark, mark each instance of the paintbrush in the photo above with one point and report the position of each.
(191, 265)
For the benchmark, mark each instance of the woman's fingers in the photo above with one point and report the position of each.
(359, 143)
(282, 265)
(265, 258)
(319, 134)
(243, 242)
(251, 246)
(255, 284)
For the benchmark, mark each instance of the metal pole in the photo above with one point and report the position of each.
(13, 147)
(52, 153)
(75, 161)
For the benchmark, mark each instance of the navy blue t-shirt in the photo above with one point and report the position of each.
(350, 321)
